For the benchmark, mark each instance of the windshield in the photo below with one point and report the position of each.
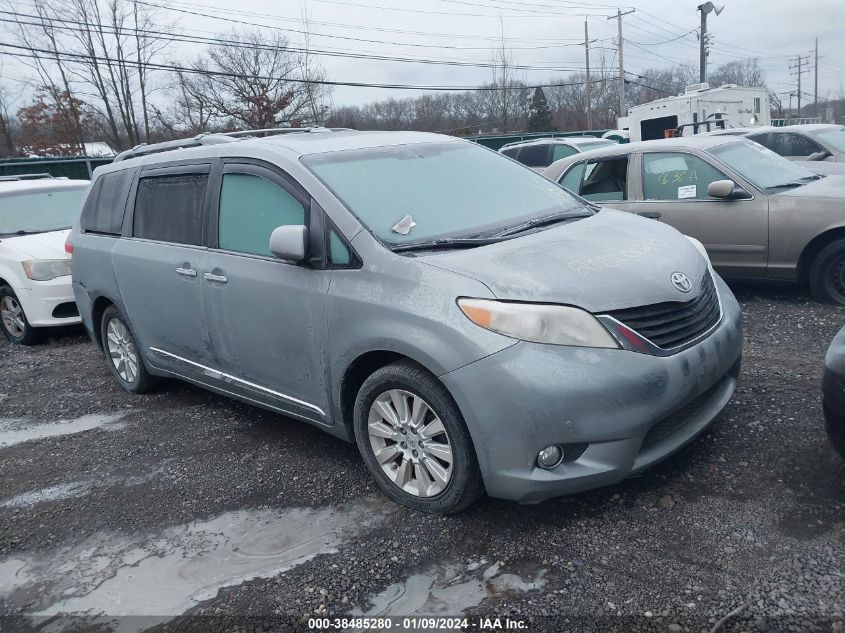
(425, 191)
(833, 137)
(40, 211)
(760, 166)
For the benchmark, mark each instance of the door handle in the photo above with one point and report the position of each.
(221, 279)
(188, 272)
(651, 215)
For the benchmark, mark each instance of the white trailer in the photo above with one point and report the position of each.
(700, 109)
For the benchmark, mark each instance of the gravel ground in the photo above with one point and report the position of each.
(213, 515)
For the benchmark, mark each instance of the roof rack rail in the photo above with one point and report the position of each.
(25, 177)
(197, 141)
(215, 138)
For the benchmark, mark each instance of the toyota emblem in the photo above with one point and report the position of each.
(681, 282)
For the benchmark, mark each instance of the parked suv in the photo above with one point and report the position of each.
(470, 324)
(36, 213)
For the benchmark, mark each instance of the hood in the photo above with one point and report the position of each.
(50, 245)
(832, 186)
(609, 261)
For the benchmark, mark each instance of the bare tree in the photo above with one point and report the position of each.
(503, 77)
(41, 39)
(742, 72)
(8, 147)
(252, 81)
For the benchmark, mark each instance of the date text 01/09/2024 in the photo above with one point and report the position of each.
(417, 623)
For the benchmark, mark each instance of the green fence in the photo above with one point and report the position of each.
(496, 141)
(75, 168)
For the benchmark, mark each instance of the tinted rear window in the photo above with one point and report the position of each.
(534, 155)
(170, 208)
(103, 210)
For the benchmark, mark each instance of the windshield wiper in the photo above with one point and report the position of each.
(22, 232)
(798, 183)
(544, 221)
(447, 242)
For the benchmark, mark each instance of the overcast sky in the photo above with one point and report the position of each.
(775, 31)
(544, 33)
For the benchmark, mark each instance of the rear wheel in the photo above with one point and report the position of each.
(827, 274)
(414, 441)
(122, 353)
(15, 325)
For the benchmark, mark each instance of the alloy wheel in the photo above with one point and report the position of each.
(11, 314)
(410, 443)
(122, 351)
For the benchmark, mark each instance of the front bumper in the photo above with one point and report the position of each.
(618, 411)
(42, 299)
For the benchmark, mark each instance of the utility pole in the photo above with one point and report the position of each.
(816, 82)
(623, 111)
(800, 68)
(704, 9)
(702, 52)
(589, 85)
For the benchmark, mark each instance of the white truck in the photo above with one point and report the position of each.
(700, 109)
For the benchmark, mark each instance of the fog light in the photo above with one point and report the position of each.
(550, 457)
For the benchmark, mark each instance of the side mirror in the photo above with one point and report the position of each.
(290, 243)
(727, 190)
(820, 155)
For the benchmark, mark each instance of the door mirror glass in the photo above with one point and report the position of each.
(720, 189)
(290, 243)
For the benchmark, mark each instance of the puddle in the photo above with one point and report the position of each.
(447, 589)
(18, 430)
(166, 574)
(53, 493)
(76, 489)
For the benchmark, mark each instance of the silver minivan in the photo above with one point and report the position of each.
(471, 325)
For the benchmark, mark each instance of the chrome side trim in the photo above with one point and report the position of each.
(219, 375)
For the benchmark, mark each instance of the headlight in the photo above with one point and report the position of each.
(46, 269)
(538, 323)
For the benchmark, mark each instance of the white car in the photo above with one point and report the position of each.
(36, 213)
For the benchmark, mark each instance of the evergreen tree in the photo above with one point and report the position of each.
(539, 116)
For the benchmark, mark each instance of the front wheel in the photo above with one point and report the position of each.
(15, 325)
(827, 274)
(122, 354)
(414, 441)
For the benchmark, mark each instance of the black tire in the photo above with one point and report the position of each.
(464, 486)
(827, 274)
(835, 427)
(27, 335)
(141, 380)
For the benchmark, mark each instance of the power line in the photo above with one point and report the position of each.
(49, 55)
(161, 35)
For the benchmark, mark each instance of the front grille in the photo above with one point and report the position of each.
(65, 310)
(675, 323)
(671, 423)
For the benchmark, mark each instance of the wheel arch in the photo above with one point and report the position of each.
(816, 245)
(361, 368)
(99, 306)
